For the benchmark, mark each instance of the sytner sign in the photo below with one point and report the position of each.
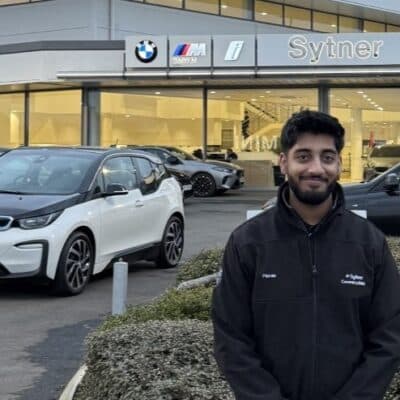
(328, 49)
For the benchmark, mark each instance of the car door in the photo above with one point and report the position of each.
(155, 198)
(120, 213)
(383, 207)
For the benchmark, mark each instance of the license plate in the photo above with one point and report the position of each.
(186, 187)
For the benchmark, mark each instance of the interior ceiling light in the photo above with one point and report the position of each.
(333, 25)
(267, 91)
(264, 13)
(224, 6)
(157, 92)
(360, 92)
(213, 92)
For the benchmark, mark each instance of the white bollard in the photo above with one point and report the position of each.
(120, 287)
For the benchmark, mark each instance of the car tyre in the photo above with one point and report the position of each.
(171, 248)
(203, 185)
(75, 265)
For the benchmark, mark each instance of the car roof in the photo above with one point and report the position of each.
(101, 151)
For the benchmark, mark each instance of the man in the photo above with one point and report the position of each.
(308, 306)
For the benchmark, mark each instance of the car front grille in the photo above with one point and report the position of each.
(3, 270)
(5, 222)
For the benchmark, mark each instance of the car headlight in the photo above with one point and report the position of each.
(38, 222)
(222, 169)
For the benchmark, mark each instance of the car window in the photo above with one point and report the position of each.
(150, 175)
(43, 171)
(121, 171)
(386, 151)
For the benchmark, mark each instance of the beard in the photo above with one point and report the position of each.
(310, 197)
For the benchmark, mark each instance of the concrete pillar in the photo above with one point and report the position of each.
(91, 124)
(356, 145)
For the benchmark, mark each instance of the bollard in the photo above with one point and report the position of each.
(120, 287)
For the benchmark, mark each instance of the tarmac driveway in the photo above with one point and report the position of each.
(42, 337)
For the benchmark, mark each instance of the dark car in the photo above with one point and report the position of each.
(378, 200)
(184, 181)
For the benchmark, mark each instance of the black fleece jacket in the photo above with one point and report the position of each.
(303, 315)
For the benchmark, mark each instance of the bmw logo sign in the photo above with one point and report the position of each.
(146, 51)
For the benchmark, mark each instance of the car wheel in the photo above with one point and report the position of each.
(172, 244)
(75, 265)
(203, 185)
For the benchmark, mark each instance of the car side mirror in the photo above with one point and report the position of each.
(391, 182)
(115, 189)
(173, 160)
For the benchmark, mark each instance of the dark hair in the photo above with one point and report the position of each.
(314, 122)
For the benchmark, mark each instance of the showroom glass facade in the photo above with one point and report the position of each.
(246, 120)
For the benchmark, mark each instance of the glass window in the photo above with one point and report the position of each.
(392, 28)
(297, 17)
(249, 122)
(269, 12)
(236, 8)
(168, 3)
(371, 118)
(121, 171)
(324, 22)
(149, 179)
(207, 6)
(55, 118)
(11, 120)
(371, 26)
(166, 117)
(349, 25)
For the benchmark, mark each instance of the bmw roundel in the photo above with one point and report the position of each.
(146, 51)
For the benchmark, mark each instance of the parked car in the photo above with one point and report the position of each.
(208, 177)
(184, 181)
(66, 213)
(377, 200)
(380, 159)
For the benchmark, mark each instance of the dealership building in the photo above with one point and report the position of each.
(208, 74)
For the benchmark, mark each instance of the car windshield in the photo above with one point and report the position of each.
(183, 155)
(386, 151)
(42, 172)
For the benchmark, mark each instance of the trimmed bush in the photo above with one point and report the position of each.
(205, 263)
(173, 305)
(394, 245)
(155, 360)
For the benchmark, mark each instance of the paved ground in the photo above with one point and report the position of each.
(42, 337)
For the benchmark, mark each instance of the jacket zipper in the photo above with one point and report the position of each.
(314, 272)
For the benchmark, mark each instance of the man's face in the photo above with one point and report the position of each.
(312, 166)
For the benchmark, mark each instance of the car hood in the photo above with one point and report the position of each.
(384, 161)
(350, 189)
(223, 164)
(24, 206)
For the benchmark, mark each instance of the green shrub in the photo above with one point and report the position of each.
(205, 263)
(155, 360)
(173, 305)
(394, 245)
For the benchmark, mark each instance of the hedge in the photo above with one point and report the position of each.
(155, 360)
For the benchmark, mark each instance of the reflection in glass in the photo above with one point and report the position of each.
(269, 12)
(324, 22)
(349, 25)
(165, 118)
(11, 120)
(392, 28)
(371, 26)
(236, 8)
(55, 118)
(298, 17)
(167, 3)
(371, 118)
(207, 6)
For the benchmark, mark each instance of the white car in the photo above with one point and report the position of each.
(66, 213)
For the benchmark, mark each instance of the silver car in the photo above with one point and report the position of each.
(381, 159)
(208, 177)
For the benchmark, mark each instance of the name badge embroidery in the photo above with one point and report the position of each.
(269, 276)
(353, 279)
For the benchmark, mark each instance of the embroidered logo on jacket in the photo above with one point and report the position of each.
(269, 276)
(353, 279)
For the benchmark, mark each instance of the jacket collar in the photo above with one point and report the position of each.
(288, 212)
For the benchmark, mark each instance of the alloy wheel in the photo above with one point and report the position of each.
(203, 185)
(77, 263)
(173, 242)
